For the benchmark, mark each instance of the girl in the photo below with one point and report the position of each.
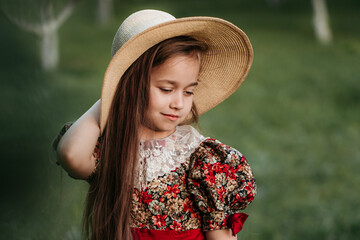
(151, 175)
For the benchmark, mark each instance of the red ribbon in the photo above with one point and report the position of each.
(236, 222)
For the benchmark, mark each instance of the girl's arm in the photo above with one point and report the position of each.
(220, 235)
(76, 147)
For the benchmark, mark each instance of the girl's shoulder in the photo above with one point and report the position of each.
(213, 158)
(222, 183)
(212, 150)
(207, 150)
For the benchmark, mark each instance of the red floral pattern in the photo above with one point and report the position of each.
(214, 184)
(207, 192)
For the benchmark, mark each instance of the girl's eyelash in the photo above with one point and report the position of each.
(165, 89)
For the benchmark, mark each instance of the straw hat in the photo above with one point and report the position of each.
(224, 66)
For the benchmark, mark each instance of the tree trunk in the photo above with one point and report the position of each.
(104, 11)
(49, 49)
(44, 23)
(321, 22)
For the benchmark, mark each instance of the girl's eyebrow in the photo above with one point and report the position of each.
(174, 82)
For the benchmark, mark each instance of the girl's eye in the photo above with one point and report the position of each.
(165, 90)
(189, 93)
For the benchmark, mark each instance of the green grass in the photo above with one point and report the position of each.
(296, 118)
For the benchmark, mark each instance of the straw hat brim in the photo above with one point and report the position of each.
(223, 67)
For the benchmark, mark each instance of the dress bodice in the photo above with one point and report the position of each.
(187, 184)
(159, 156)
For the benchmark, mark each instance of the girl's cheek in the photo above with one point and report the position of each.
(190, 104)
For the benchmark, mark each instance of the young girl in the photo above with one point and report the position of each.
(151, 175)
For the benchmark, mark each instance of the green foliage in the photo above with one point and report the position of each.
(296, 118)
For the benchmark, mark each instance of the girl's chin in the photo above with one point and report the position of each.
(148, 133)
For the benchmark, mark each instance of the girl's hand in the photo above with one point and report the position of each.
(225, 234)
(76, 147)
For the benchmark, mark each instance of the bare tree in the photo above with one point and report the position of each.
(104, 11)
(42, 18)
(321, 21)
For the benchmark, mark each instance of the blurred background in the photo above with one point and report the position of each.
(296, 117)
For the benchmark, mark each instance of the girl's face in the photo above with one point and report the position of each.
(171, 95)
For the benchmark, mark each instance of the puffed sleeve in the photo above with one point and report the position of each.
(95, 153)
(222, 184)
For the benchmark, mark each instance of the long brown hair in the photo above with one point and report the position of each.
(107, 212)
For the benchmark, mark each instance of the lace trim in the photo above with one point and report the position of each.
(159, 156)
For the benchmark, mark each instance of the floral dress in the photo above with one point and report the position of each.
(188, 184)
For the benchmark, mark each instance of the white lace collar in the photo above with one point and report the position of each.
(159, 156)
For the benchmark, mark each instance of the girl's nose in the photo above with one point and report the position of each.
(177, 101)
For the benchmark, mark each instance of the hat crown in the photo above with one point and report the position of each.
(137, 23)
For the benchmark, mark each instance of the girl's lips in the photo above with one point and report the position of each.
(171, 117)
